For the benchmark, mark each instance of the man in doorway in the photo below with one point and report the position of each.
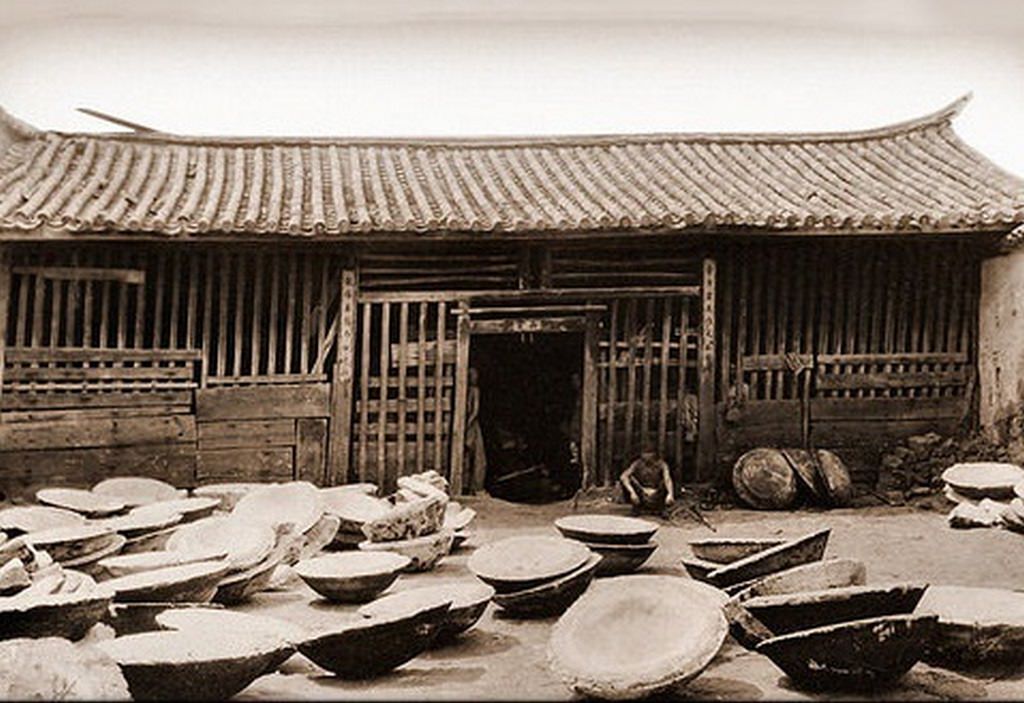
(475, 460)
(647, 484)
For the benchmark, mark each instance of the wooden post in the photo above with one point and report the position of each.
(588, 413)
(339, 444)
(5, 299)
(706, 377)
(458, 446)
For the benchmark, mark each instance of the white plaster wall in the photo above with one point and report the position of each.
(1001, 337)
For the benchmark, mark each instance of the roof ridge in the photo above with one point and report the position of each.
(942, 116)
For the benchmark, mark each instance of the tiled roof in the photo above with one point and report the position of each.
(913, 176)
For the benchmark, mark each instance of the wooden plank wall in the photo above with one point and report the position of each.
(850, 344)
(406, 361)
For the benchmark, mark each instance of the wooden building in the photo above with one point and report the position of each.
(207, 309)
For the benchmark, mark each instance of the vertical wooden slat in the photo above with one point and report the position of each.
(706, 374)
(307, 294)
(666, 341)
(21, 318)
(5, 302)
(364, 389)
(70, 306)
(322, 305)
(742, 271)
(37, 311)
(421, 387)
(159, 286)
(645, 409)
(256, 334)
(588, 413)
(442, 312)
(630, 334)
(726, 275)
(193, 299)
(240, 299)
(224, 285)
(771, 285)
(607, 463)
(275, 303)
(122, 309)
(891, 272)
(174, 325)
(383, 478)
(461, 391)
(756, 322)
(56, 310)
(207, 343)
(289, 333)
(339, 432)
(403, 341)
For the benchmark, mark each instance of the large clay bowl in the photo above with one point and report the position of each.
(790, 612)
(126, 564)
(319, 536)
(354, 508)
(764, 479)
(227, 493)
(859, 654)
(67, 615)
(788, 554)
(725, 550)
(352, 577)
(190, 509)
(984, 479)
(134, 491)
(424, 552)
(977, 627)
(458, 518)
(135, 525)
(619, 559)
(193, 583)
(365, 647)
(698, 569)
(239, 586)
(551, 598)
(636, 636)
(815, 576)
(246, 543)
(19, 519)
(606, 529)
(179, 665)
(408, 520)
(295, 502)
(67, 543)
(835, 478)
(80, 501)
(150, 542)
(518, 563)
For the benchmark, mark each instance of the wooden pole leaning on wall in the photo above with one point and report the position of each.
(458, 444)
(706, 377)
(339, 439)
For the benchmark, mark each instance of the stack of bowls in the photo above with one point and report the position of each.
(535, 576)
(624, 543)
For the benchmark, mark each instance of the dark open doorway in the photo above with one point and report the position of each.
(530, 410)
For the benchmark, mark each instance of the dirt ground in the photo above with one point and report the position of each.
(506, 659)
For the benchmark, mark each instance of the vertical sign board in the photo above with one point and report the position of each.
(339, 433)
(706, 371)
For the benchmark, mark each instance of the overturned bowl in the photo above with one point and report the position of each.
(365, 647)
(178, 665)
(352, 577)
(551, 598)
(618, 559)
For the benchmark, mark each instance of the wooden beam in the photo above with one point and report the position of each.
(706, 377)
(339, 438)
(458, 447)
(70, 273)
(263, 402)
(528, 324)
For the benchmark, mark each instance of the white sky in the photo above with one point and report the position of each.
(469, 67)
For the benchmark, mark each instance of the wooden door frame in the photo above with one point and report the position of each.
(537, 323)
